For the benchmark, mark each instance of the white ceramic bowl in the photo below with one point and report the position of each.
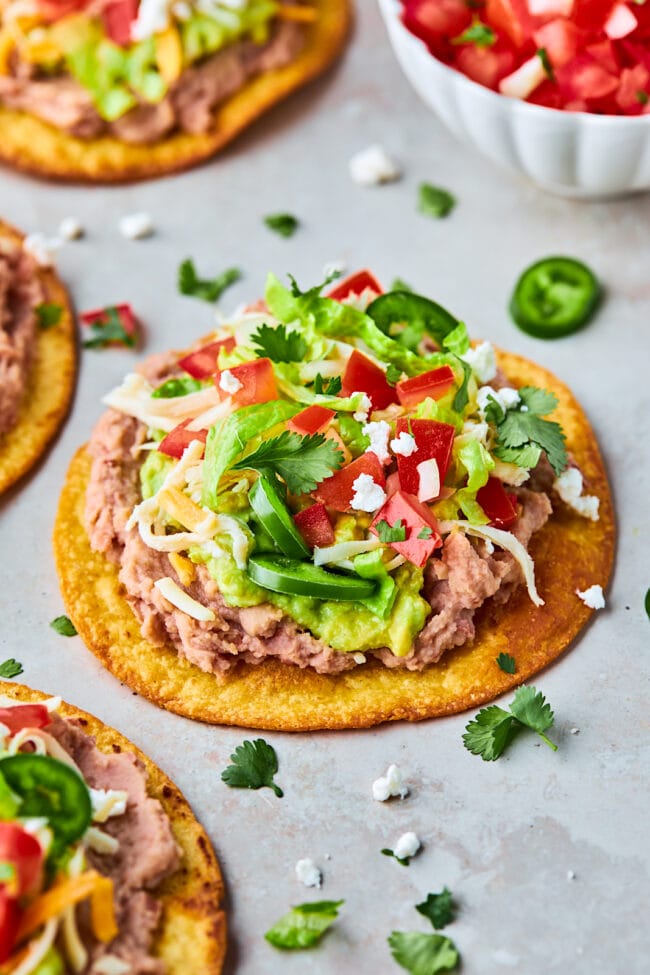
(570, 153)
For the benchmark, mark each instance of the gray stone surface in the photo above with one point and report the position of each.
(503, 836)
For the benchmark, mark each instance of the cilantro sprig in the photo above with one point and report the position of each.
(478, 34)
(301, 462)
(522, 433)
(207, 289)
(48, 314)
(254, 764)
(64, 626)
(433, 201)
(284, 224)
(391, 533)
(10, 668)
(278, 344)
(304, 925)
(438, 908)
(493, 729)
(506, 663)
(327, 387)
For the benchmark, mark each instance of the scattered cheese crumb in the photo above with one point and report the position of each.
(482, 361)
(229, 383)
(569, 487)
(506, 398)
(368, 495)
(592, 597)
(407, 846)
(404, 445)
(365, 405)
(43, 249)
(575, 731)
(70, 229)
(308, 873)
(378, 433)
(373, 166)
(389, 785)
(570, 875)
(135, 226)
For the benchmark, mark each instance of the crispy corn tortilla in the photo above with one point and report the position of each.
(570, 553)
(49, 388)
(192, 935)
(32, 145)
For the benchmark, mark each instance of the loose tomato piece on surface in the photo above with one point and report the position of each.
(434, 383)
(499, 506)
(356, 284)
(363, 376)
(24, 852)
(315, 419)
(559, 38)
(418, 520)
(337, 491)
(118, 15)
(203, 363)
(100, 316)
(437, 21)
(257, 383)
(180, 437)
(434, 441)
(9, 924)
(315, 526)
(25, 716)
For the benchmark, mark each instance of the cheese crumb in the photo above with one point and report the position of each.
(389, 785)
(373, 166)
(569, 487)
(482, 361)
(368, 495)
(570, 875)
(404, 445)
(575, 731)
(229, 383)
(43, 249)
(359, 658)
(506, 398)
(135, 226)
(407, 846)
(70, 229)
(365, 405)
(308, 873)
(592, 597)
(378, 433)
(107, 802)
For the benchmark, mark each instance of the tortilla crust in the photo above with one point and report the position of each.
(570, 553)
(34, 146)
(192, 935)
(49, 388)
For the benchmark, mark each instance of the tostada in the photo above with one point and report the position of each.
(333, 511)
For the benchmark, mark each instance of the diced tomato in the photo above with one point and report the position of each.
(512, 18)
(337, 491)
(315, 419)
(434, 383)
(559, 38)
(437, 21)
(363, 376)
(418, 520)
(605, 54)
(52, 10)
(356, 284)
(180, 437)
(118, 15)
(434, 441)
(592, 15)
(315, 526)
(203, 363)
(499, 506)
(9, 924)
(23, 850)
(583, 78)
(25, 716)
(633, 82)
(257, 383)
(485, 65)
(100, 316)
(259, 305)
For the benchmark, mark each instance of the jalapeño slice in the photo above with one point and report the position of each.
(49, 788)
(407, 318)
(279, 574)
(275, 517)
(555, 296)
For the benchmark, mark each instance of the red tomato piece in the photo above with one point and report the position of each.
(436, 21)
(584, 79)
(180, 437)
(99, 316)
(315, 526)
(633, 81)
(258, 383)
(315, 419)
(592, 15)
(118, 15)
(363, 376)
(434, 441)
(9, 924)
(485, 65)
(23, 850)
(499, 506)
(559, 38)
(605, 54)
(52, 10)
(25, 716)
(337, 491)
(416, 517)
(434, 383)
(512, 18)
(203, 363)
(356, 284)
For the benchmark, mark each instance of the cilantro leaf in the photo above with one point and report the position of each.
(331, 387)
(521, 431)
(439, 908)
(531, 708)
(304, 925)
(301, 462)
(64, 626)
(391, 533)
(539, 401)
(433, 201)
(526, 456)
(48, 314)
(425, 533)
(489, 734)
(506, 663)
(284, 224)
(478, 34)
(10, 668)
(107, 330)
(393, 375)
(180, 386)
(403, 861)
(423, 954)
(542, 54)
(207, 289)
(279, 345)
(254, 763)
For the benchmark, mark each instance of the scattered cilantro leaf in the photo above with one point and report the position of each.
(521, 431)
(404, 861)
(180, 386)
(108, 330)
(433, 201)
(506, 663)
(331, 387)
(642, 97)
(64, 626)
(10, 668)
(393, 375)
(423, 954)
(439, 908)
(391, 533)
(492, 730)
(284, 224)
(48, 314)
(647, 604)
(399, 284)
(301, 462)
(542, 54)
(531, 708)
(304, 925)
(254, 763)
(425, 533)
(478, 34)
(207, 289)
(279, 345)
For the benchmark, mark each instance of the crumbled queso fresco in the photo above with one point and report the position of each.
(368, 495)
(389, 785)
(308, 873)
(592, 597)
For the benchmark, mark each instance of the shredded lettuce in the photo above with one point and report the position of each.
(477, 462)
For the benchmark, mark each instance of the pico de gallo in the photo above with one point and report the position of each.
(575, 55)
(321, 454)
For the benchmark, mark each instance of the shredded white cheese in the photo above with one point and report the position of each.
(107, 802)
(344, 550)
(181, 600)
(133, 398)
